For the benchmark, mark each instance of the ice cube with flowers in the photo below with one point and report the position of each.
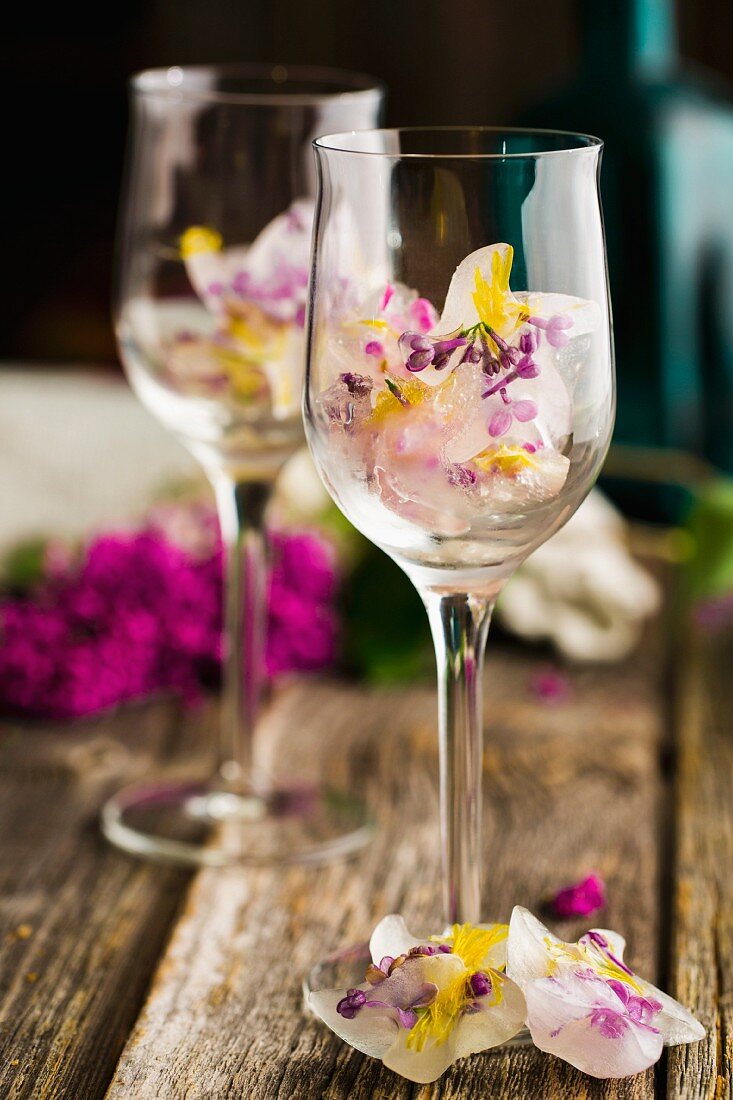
(461, 414)
(427, 1001)
(255, 297)
(585, 1005)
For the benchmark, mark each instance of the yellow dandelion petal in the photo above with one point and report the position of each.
(198, 240)
(472, 944)
(505, 460)
(493, 299)
(439, 1018)
(387, 404)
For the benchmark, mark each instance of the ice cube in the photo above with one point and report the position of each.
(347, 403)
(513, 478)
(413, 480)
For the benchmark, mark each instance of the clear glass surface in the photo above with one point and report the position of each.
(460, 389)
(211, 288)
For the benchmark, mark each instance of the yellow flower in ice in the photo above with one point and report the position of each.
(505, 460)
(396, 398)
(474, 947)
(495, 303)
(198, 240)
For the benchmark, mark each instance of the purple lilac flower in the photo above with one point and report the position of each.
(500, 422)
(555, 328)
(549, 685)
(420, 351)
(461, 476)
(356, 1000)
(349, 1005)
(581, 898)
(525, 368)
(141, 615)
(641, 1009)
(480, 984)
(633, 1009)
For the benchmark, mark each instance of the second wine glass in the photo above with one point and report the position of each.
(210, 305)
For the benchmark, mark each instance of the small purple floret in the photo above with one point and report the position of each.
(349, 1005)
(549, 685)
(611, 1024)
(464, 479)
(640, 1009)
(554, 328)
(527, 368)
(480, 984)
(581, 899)
(359, 385)
(528, 342)
(500, 423)
(420, 351)
(524, 411)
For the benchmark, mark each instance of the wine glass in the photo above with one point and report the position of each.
(460, 390)
(212, 275)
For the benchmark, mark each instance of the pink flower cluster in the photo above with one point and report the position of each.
(141, 615)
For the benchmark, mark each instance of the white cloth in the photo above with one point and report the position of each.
(78, 452)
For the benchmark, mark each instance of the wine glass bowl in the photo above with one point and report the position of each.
(215, 249)
(459, 461)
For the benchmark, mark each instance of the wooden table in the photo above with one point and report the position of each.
(130, 981)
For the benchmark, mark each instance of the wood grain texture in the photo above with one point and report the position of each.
(81, 927)
(568, 788)
(702, 943)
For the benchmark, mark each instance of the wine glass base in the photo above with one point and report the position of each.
(345, 969)
(199, 825)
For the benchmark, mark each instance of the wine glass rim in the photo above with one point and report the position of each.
(339, 142)
(187, 82)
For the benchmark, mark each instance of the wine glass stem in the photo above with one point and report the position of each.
(241, 506)
(459, 624)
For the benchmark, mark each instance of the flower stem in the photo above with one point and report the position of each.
(459, 624)
(241, 506)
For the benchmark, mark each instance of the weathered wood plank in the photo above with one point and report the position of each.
(81, 927)
(702, 944)
(569, 788)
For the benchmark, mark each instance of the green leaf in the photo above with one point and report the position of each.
(24, 565)
(387, 639)
(710, 524)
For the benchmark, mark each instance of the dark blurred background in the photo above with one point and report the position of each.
(65, 110)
